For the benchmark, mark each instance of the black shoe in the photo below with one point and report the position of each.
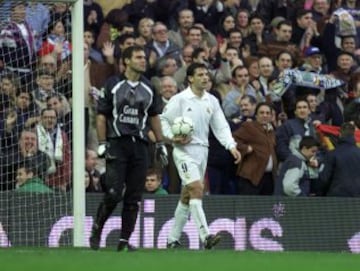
(211, 241)
(173, 245)
(95, 237)
(126, 247)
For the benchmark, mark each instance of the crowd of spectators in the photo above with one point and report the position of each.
(247, 45)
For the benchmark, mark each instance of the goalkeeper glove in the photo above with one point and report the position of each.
(161, 154)
(103, 151)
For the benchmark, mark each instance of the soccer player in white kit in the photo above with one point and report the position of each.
(191, 153)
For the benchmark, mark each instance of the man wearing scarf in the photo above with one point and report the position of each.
(54, 142)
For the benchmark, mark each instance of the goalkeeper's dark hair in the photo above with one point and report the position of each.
(128, 52)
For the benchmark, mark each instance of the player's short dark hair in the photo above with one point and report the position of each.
(308, 142)
(193, 67)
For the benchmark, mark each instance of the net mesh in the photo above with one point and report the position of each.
(36, 147)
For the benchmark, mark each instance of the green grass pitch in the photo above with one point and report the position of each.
(67, 259)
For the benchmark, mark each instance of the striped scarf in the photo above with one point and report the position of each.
(12, 36)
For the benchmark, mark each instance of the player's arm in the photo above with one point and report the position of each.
(221, 128)
(104, 108)
(170, 112)
(222, 132)
(101, 133)
(101, 127)
(161, 154)
(156, 127)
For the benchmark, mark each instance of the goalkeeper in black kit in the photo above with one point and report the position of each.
(124, 108)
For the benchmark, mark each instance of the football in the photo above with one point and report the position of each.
(182, 126)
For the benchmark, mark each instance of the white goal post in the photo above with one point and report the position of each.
(78, 123)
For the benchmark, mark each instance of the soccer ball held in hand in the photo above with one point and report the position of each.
(182, 126)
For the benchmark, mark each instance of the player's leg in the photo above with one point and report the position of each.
(195, 185)
(114, 182)
(135, 183)
(181, 216)
(196, 209)
(198, 214)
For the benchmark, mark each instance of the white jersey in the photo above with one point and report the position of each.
(204, 111)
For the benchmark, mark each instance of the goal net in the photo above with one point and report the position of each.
(35, 122)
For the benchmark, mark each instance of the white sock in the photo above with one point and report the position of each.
(197, 213)
(181, 217)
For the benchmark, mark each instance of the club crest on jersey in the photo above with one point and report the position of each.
(208, 110)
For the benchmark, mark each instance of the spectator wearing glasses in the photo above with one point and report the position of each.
(45, 81)
(161, 46)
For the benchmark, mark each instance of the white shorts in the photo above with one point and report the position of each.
(191, 162)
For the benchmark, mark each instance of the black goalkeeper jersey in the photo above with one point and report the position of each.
(127, 106)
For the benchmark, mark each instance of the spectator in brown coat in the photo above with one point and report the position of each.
(256, 142)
